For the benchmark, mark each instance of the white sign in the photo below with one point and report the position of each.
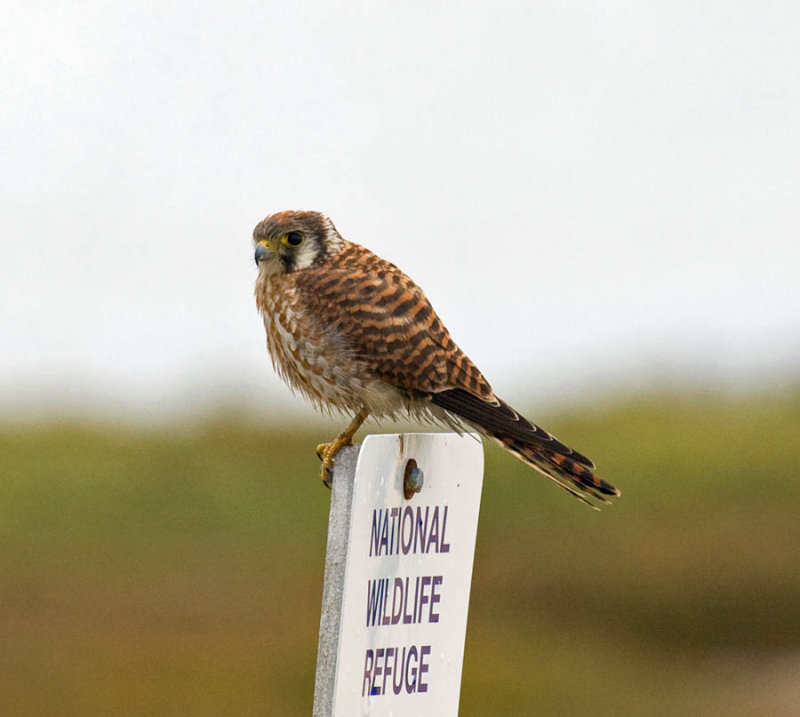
(408, 575)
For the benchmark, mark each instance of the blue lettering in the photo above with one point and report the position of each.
(384, 533)
(435, 597)
(423, 668)
(374, 596)
(421, 528)
(433, 536)
(377, 672)
(368, 660)
(376, 521)
(411, 684)
(407, 536)
(423, 598)
(445, 547)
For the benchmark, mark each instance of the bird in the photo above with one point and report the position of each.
(353, 334)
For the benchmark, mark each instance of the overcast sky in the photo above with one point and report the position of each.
(584, 190)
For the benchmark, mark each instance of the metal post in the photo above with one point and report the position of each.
(344, 472)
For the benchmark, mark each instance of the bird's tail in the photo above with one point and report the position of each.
(573, 476)
(531, 444)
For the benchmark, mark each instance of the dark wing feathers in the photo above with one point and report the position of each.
(528, 442)
(500, 418)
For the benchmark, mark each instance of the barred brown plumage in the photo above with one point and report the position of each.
(354, 334)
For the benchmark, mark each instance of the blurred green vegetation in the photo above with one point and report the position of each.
(179, 571)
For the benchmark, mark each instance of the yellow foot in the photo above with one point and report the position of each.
(326, 452)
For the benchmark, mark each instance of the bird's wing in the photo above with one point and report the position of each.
(387, 322)
(497, 418)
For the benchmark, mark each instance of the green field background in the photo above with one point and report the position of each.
(178, 570)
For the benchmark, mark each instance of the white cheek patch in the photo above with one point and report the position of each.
(305, 255)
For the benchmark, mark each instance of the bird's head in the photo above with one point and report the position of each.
(291, 241)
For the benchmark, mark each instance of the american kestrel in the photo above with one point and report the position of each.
(354, 334)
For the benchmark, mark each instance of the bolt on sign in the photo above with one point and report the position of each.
(407, 576)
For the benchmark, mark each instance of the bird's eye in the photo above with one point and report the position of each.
(294, 238)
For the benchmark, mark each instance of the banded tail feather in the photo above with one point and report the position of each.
(531, 444)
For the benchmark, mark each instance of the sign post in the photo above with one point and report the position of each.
(401, 542)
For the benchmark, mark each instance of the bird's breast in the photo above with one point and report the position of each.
(304, 352)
